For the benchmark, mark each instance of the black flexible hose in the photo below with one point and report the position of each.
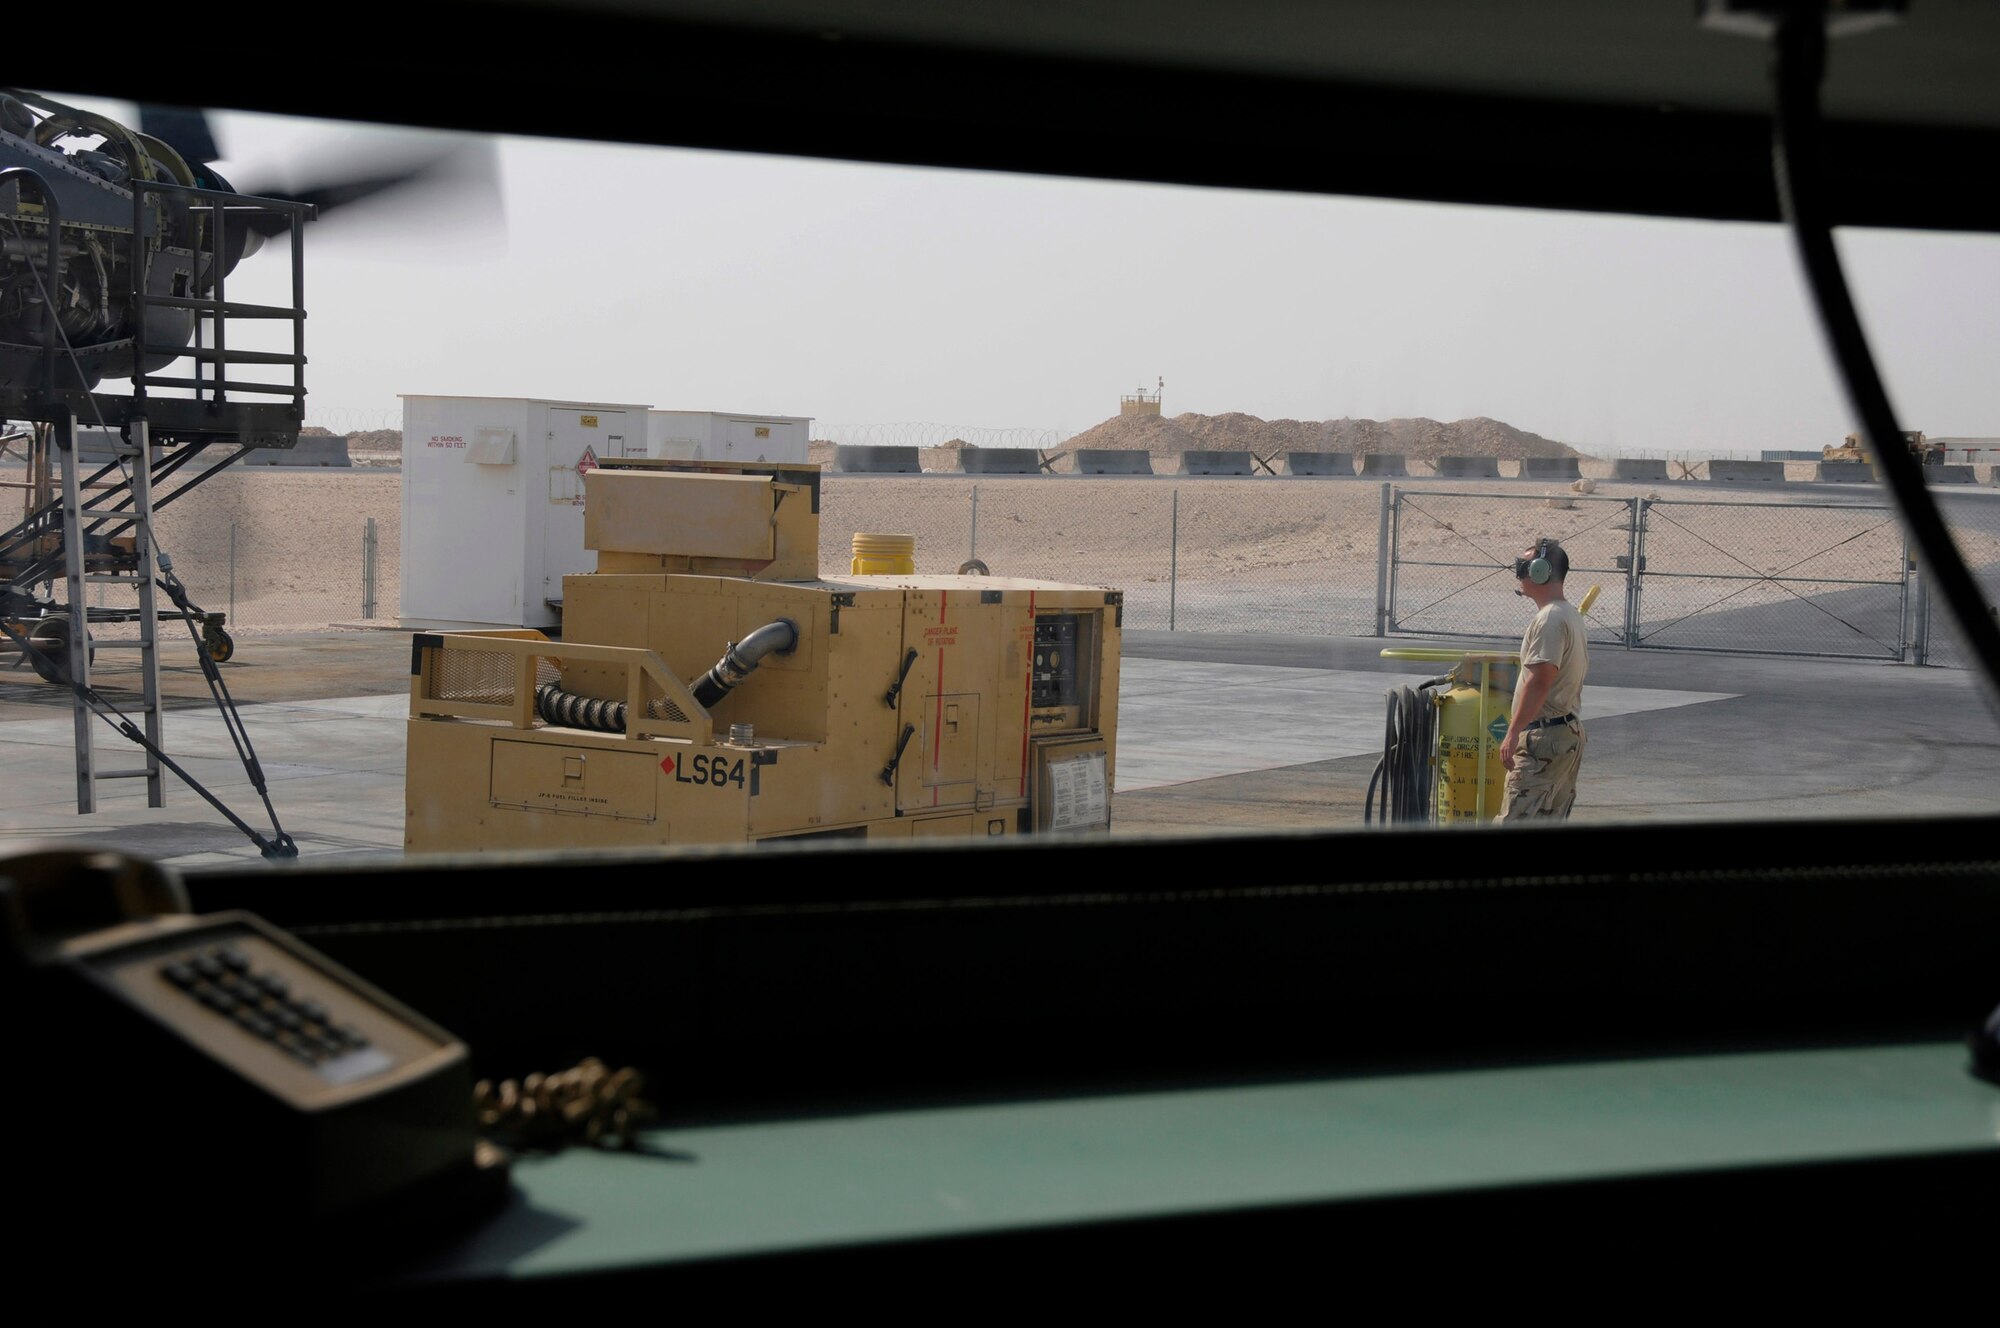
(738, 662)
(778, 637)
(1405, 773)
(569, 710)
(1797, 65)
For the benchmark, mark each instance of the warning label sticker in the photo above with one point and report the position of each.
(1079, 798)
(587, 462)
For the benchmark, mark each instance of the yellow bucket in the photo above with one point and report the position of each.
(884, 555)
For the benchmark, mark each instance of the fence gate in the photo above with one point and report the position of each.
(1451, 558)
(1823, 579)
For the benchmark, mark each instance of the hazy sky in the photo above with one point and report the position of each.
(864, 295)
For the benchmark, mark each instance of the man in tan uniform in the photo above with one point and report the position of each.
(1544, 743)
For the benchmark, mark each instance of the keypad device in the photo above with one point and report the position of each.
(265, 1007)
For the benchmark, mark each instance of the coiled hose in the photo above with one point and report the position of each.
(738, 662)
(1405, 774)
(557, 706)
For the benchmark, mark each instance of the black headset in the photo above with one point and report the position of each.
(1537, 569)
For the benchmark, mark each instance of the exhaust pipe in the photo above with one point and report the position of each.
(743, 657)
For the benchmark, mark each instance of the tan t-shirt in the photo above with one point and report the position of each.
(1556, 636)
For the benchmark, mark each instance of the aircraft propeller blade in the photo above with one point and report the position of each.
(183, 129)
(470, 167)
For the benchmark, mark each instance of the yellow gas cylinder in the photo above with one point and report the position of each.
(884, 555)
(1471, 724)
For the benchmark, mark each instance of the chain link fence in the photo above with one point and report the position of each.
(1974, 521)
(1208, 557)
(276, 551)
(291, 551)
(1808, 575)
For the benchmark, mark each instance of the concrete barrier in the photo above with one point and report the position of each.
(1384, 463)
(1550, 468)
(1949, 475)
(1746, 472)
(1112, 461)
(1216, 463)
(1319, 463)
(859, 460)
(312, 450)
(1638, 468)
(1844, 472)
(1000, 461)
(1468, 468)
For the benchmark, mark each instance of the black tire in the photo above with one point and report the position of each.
(50, 636)
(219, 644)
(37, 661)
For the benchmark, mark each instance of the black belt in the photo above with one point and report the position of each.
(1545, 723)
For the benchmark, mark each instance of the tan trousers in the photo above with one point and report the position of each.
(1542, 784)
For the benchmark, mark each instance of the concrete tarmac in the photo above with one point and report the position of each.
(1217, 733)
(1720, 737)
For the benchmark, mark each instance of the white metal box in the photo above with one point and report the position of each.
(706, 435)
(493, 503)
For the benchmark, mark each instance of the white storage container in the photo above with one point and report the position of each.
(493, 503)
(704, 435)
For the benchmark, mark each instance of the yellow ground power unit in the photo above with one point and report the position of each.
(711, 687)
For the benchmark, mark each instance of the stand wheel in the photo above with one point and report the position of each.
(219, 644)
(50, 637)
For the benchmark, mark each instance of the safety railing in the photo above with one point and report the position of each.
(493, 676)
(220, 214)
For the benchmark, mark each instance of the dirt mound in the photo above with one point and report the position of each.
(1430, 439)
(1137, 433)
(1237, 432)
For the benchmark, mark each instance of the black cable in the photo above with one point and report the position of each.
(1798, 63)
(1405, 773)
(282, 844)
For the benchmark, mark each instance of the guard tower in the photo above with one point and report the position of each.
(1142, 402)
